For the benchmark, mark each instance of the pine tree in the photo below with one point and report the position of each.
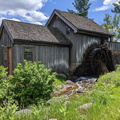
(81, 6)
(116, 7)
(112, 24)
(107, 22)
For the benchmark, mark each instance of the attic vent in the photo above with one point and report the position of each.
(67, 30)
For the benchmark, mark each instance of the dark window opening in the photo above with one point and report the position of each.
(67, 30)
(28, 53)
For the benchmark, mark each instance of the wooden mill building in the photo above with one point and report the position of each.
(64, 43)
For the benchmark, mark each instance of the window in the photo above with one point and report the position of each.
(67, 30)
(28, 53)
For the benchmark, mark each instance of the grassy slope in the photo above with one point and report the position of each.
(105, 96)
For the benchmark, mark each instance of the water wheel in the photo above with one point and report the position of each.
(98, 60)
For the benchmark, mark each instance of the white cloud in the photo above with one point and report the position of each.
(52, 1)
(15, 19)
(106, 5)
(36, 16)
(38, 23)
(92, 0)
(26, 9)
(1, 18)
(102, 8)
(109, 2)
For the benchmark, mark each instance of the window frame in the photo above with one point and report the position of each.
(31, 53)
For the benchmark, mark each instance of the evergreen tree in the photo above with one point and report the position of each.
(112, 24)
(81, 6)
(116, 7)
(107, 22)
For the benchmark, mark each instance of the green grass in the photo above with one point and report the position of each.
(59, 81)
(104, 96)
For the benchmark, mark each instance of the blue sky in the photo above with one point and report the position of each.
(39, 11)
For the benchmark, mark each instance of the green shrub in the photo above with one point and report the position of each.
(3, 73)
(8, 111)
(3, 84)
(31, 83)
(117, 67)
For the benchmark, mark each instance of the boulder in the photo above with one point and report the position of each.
(24, 111)
(85, 106)
(80, 89)
(69, 82)
(52, 119)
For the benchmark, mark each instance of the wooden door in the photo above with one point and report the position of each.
(9, 60)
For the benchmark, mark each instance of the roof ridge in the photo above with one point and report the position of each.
(72, 14)
(78, 16)
(4, 20)
(83, 23)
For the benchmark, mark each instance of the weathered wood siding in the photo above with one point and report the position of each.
(4, 42)
(55, 57)
(115, 47)
(80, 41)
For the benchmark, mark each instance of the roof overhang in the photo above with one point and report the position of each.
(21, 41)
(3, 25)
(94, 33)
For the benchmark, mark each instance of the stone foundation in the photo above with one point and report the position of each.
(73, 66)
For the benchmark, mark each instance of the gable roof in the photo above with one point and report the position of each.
(27, 32)
(79, 23)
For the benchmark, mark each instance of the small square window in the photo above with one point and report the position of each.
(67, 30)
(28, 53)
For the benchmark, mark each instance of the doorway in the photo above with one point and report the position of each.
(8, 59)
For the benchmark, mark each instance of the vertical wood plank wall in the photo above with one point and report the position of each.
(4, 42)
(55, 57)
(115, 48)
(80, 41)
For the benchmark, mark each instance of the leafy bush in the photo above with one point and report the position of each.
(3, 73)
(8, 111)
(117, 67)
(31, 83)
(3, 84)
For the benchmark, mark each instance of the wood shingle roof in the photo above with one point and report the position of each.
(79, 23)
(32, 32)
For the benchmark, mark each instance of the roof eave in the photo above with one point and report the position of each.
(1, 29)
(40, 42)
(3, 25)
(93, 33)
